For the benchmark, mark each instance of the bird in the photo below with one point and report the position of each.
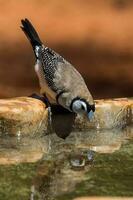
(59, 80)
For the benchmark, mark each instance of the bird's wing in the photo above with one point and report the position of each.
(71, 82)
(49, 61)
(60, 75)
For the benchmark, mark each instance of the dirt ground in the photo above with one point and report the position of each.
(96, 36)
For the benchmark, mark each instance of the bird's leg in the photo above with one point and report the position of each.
(43, 98)
(48, 105)
(46, 101)
(49, 129)
(49, 108)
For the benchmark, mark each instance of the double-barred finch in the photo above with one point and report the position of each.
(59, 80)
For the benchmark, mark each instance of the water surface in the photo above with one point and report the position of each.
(87, 163)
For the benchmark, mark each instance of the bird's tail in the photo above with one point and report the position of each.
(30, 33)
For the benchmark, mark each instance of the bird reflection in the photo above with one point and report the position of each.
(60, 120)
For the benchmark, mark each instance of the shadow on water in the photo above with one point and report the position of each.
(62, 121)
(87, 163)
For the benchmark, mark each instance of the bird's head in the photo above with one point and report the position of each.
(82, 107)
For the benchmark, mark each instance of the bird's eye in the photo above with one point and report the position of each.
(82, 107)
(79, 106)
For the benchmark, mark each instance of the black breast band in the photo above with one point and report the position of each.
(58, 95)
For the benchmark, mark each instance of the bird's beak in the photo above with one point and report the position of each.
(90, 115)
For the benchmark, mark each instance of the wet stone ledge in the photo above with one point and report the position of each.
(28, 116)
(27, 119)
(22, 115)
(110, 113)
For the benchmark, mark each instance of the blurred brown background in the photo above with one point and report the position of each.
(96, 36)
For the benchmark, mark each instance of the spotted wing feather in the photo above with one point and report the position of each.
(49, 60)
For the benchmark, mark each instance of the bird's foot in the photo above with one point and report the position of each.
(41, 98)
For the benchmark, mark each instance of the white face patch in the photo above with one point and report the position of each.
(79, 107)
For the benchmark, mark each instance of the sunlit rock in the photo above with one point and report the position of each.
(28, 116)
(109, 114)
(22, 116)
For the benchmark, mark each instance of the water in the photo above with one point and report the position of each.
(89, 163)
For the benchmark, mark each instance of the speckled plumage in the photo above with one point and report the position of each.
(49, 61)
(57, 76)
